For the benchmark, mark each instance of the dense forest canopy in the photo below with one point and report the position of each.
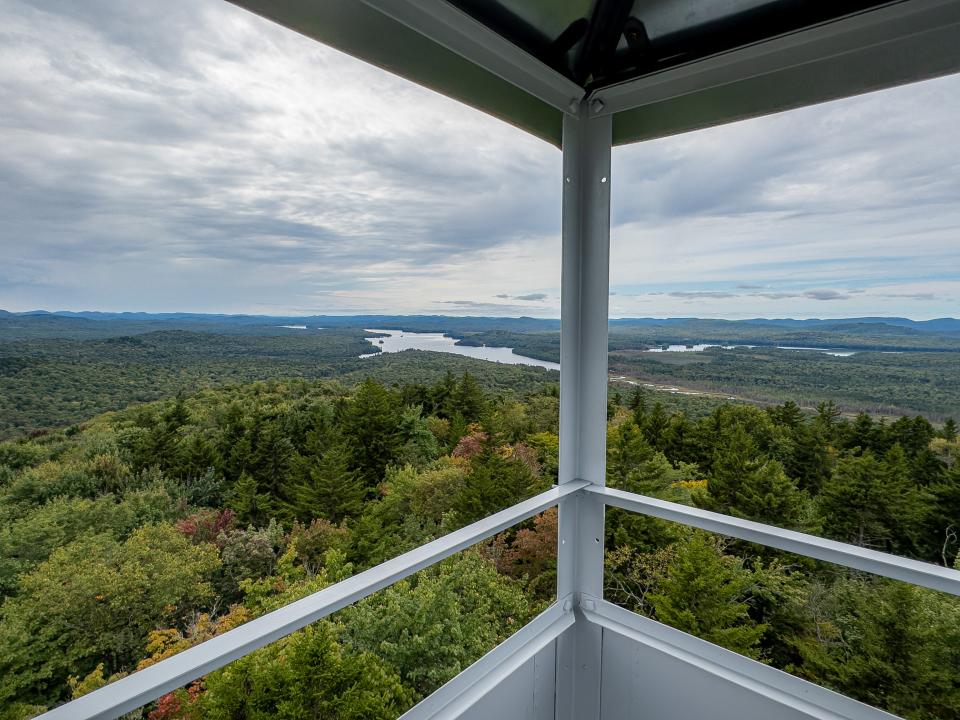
(61, 369)
(138, 533)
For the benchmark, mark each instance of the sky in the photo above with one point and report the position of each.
(187, 156)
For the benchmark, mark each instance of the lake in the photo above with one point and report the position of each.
(398, 341)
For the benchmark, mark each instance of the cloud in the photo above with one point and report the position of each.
(479, 306)
(529, 297)
(913, 296)
(185, 147)
(188, 155)
(826, 295)
(696, 294)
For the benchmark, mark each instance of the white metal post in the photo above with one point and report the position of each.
(584, 288)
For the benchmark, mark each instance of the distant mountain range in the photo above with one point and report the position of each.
(482, 323)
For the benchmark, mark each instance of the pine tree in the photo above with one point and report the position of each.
(808, 459)
(165, 436)
(371, 425)
(197, 457)
(252, 507)
(864, 434)
(637, 401)
(872, 502)
(332, 490)
(949, 430)
(826, 420)
(745, 484)
(468, 399)
(495, 482)
(788, 414)
(626, 449)
(655, 426)
(275, 463)
(704, 593)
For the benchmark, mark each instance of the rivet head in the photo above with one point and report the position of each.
(574, 106)
(596, 106)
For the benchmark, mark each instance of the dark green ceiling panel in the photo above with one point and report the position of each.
(365, 33)
(928, 47)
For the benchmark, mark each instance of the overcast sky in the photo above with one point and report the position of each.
(185, 155)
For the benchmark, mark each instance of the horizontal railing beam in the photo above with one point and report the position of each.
(852, 556)
(138, 689)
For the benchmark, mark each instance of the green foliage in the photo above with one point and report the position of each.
(413, 508)
(496, 481)
(745, 483)
(94, 600)
(306, 675)
(331, 490)
(247, 555)
(872, 502)
(31, 538)
(321, 478)
(373, 431)
(431, 628)
(693, 586)
(892, 645)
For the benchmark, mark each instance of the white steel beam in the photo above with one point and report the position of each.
(852, 556)
(452, 28)
(138, 689)
(585, 285)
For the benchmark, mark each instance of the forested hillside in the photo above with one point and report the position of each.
(135, 534)
(56, 381)
(60, 369)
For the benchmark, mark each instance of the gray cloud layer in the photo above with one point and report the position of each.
(186, 155)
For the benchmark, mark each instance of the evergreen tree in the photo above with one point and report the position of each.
(495, 482)
(863, 433)
(745, 484)
(941, 524)
(626, 449)
(677, 437)
(808, 458)
(371, 426)
(440, 395)
(871, 502)
(252, 506)
(165, 436)
(274, 461)
(332, 490)
(656, 425)
(197, 457)
(232, 447)
(306, 675)
(468, 399)
(637, 401)
(704, 592)
(898, 648)
(788, 414)
(949, 430)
